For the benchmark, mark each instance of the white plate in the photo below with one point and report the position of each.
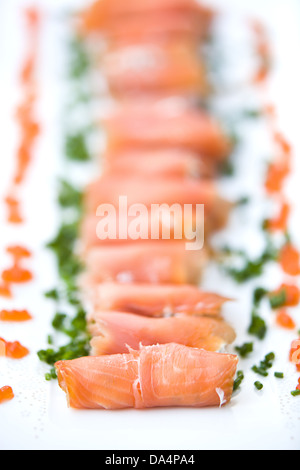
(38, 417)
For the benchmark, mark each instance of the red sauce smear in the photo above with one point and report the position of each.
(29, 127)
(284, 320)
(5, 290)
(276, 175)
(6, 393)
(18, 252)
(15, 315)
(295, 353)
(289, 259)
(14, 213)
(263, 52)
(13, 350)
(16, 275)
(280, 223)
(291, 293)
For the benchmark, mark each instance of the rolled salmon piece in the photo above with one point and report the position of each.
(121, 209)
(156, 26)
(155, 300)
(153, 261)
(132, 19)
(114, 332)
(154, 68)
(165, 193)
(166, 163)
(151, 124)
(170, 375)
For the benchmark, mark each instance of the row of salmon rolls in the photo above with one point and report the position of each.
(157, 339)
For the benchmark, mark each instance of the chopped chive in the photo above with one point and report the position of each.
(264, 365)
(278, 299)
(245, 349)
(76, 147)
(295, 393)
(238, 380)
(243, 201)
(51, 375)
(270, 357)
(253, 268)
(69, 196)
(252, 113)
(52, 294)
(257, 327)
(260, 371)
(50, 340)
(258, 385)
(279, 375)
(258, 295)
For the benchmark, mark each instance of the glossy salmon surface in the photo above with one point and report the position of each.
(156, 300)
(114, 332)
(169, 375)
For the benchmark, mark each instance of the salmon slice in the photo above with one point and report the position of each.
(169, 163)
(155, 26)
(113, 332)
(153, 261)
(165, 192)
(170, 375)
(110, 15)
(154, 68)
(99, 382)
(155, 300)
(108, 189)
(164, 123)
(97, 231)
(141, 209)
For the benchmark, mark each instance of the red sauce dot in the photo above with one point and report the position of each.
(17, 275)
(280, 223)
(6, 393)
(291, 294)
(15, 315)
(289, 260)
(5, 291)
(18, 252)
(14, 349)
(284, 320)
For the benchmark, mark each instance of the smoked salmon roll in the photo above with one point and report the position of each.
(166, 163)
(114, 332)
(155, 300)
(186, 209)
(155, 26)
(170, 375)
(165, 123)
(149, 261)
(154, 68)
(117, 19)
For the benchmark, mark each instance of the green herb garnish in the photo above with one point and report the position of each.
(69, 196)
(245, 349)
(264, 365)
(258, 385)
(258, 295)
(278, 299)
(252, 268)
(239, 379)
(279, 375)
(53, 294)
(79, 63)
(258, 326)
(76, 147)
(295, 393)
